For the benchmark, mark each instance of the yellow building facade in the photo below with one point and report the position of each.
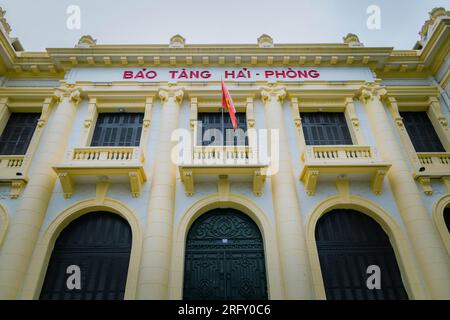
(339, 189)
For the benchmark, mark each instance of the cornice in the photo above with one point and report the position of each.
(412, 96)
(26, 92)
(385, 61)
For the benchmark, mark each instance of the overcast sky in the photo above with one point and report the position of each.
(41, 24)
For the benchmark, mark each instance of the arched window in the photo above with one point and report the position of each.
(348, 243)
(96, 247)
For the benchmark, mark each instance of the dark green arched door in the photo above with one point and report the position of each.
(99, 243)
(224, 258)
(348, 242)
(447, 218)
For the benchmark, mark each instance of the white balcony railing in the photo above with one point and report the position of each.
(102, 161)
(10, 162)
(105, 154)
(223, 154)
(338, 153)
(342, 160)
(13, 169)
(435, 164)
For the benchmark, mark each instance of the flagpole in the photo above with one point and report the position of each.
(223, 133)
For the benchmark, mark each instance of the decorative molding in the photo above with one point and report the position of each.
(175, 93)
(296, 113)
(223, 187)
(187, 177)
(273, 92)
(350, 109)
(265, 41)
(446, 182)
(148, 112)
(377, 181)
(75, 96)
(310, 179)
(370, 91)
(45, 113)
(101, 189)
(352, 40)
(102, 161)
(66, 183)
(16, 188)
(86, 41)
(177, 41)
(426, 185)
(92, 111)
(341, 161)
(393, 108)
(193, 113)
(250, 112)
(343, 186)
(435, 108)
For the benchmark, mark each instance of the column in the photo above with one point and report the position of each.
(290, 231)
(429, 251)
(154, 272)
(24, 229)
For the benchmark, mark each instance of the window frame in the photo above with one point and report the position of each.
(114, 114)
(16, 103)
(5, 125)
(201, 105)
(199, 140)
(346, 106)
(351, 142)
(432, 127)
(432, 107)
(99, 105)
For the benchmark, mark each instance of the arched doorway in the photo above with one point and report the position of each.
(224, 258)
(99, 243)
(348, 242)
(447, 218)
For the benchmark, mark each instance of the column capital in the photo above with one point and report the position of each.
(166, 93)
(370, 91)
(75, 96)
(71, 93)
(273, 92)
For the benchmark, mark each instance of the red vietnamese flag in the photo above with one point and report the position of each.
(227, 103)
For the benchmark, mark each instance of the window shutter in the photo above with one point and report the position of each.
(421, 132)
(325, 128)
(213, 120)
(118, 129)
(18, 132)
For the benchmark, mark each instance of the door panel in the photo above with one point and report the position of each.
(224, 258)
(348, 242)
(100, 244)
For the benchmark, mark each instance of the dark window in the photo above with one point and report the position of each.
(118, 129)
(348, 242)
(447, 218)
(99, 243)
(325, 128)
(224, 258)
(18, 133)
(421, 132)
(210, 129)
